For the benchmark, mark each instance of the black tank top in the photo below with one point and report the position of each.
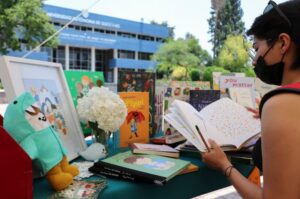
(290, 88)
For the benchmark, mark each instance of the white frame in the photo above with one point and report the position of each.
(13, 71)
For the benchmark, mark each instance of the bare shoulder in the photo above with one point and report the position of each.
(280, 145)
(281, 116)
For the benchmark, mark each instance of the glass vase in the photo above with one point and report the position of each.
(99, 135)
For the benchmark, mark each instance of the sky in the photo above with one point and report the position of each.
(185, 15)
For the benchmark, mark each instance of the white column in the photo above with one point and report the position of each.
(67, 56)
(115, 55)
(93, 57)
(116, 75)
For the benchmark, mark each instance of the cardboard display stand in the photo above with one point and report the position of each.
(15, 168)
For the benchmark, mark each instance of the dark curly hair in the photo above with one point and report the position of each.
(270, 25)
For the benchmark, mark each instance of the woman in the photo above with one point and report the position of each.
(277, 61)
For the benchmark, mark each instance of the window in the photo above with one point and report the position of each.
(58, 55)
(80, 58)
(158, 39)
(145, 56)
(99, 30)
(125, 34)
(126, 54)
(111, 32)
(145, 37)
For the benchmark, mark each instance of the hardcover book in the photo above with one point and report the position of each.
(155, 149)
(140, 82)
(224, 121)
(136, 125)
(146, 168)
(201, 98)
(80, 82)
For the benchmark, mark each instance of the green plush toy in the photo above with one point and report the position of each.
(29, 127)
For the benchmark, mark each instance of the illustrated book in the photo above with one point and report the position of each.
(140, 81)
(225, 121)
(155, 149)
(201, 98)
(141, 168)
(135, 128)
(80, 82)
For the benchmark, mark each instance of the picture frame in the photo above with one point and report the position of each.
(47, 83)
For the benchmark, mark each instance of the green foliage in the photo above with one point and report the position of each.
(185, 53)
(225, 20)
(25, 19)
(249, 72)
(233, 55)
(1, 86)
(195, 75)
(207, 73)
(179, 73)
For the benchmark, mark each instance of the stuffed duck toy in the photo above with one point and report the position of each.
(29, 127)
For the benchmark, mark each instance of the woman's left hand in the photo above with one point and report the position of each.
(215, 158)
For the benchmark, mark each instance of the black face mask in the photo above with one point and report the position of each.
(270, 74)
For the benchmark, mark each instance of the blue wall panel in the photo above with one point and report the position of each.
(130, 63)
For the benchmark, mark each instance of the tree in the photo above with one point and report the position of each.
(23, 20)
(226, 19)
(233, 55)
(208, 73)
(194, 48)
(175, 53)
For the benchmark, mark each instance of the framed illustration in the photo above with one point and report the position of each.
(47, 84)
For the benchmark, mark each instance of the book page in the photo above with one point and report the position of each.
(232, 121)
(181, 127)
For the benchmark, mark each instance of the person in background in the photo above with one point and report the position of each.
(277, 61)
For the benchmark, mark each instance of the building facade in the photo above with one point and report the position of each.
(101, 43)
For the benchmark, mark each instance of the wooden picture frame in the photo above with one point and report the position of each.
(47, 83)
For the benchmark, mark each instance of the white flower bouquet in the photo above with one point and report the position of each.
(102, 107)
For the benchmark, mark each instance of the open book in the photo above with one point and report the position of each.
(224, 121)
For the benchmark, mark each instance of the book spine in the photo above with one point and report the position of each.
(126, 174)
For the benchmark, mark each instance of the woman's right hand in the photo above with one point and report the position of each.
(215, 158)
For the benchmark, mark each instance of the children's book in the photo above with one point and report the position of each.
(140, 82)
(147, 168)
(242, 96)
(225, 121)
(201, 98)
(80, 82)
(189, 169)
(179, 90)
(155, 149)
(136, 125)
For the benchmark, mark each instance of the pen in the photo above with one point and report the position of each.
(202, 138)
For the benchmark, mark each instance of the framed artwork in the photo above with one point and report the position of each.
(47, 84)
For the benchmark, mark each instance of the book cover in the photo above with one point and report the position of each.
(155, 149)
(201, 98)
(242, 96)
(224, 121)
(131, 81)
(136, 125)
(80, 82)
(157, 169)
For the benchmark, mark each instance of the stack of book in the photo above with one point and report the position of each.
(142, 168)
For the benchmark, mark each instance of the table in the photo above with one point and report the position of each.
(181, 187)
